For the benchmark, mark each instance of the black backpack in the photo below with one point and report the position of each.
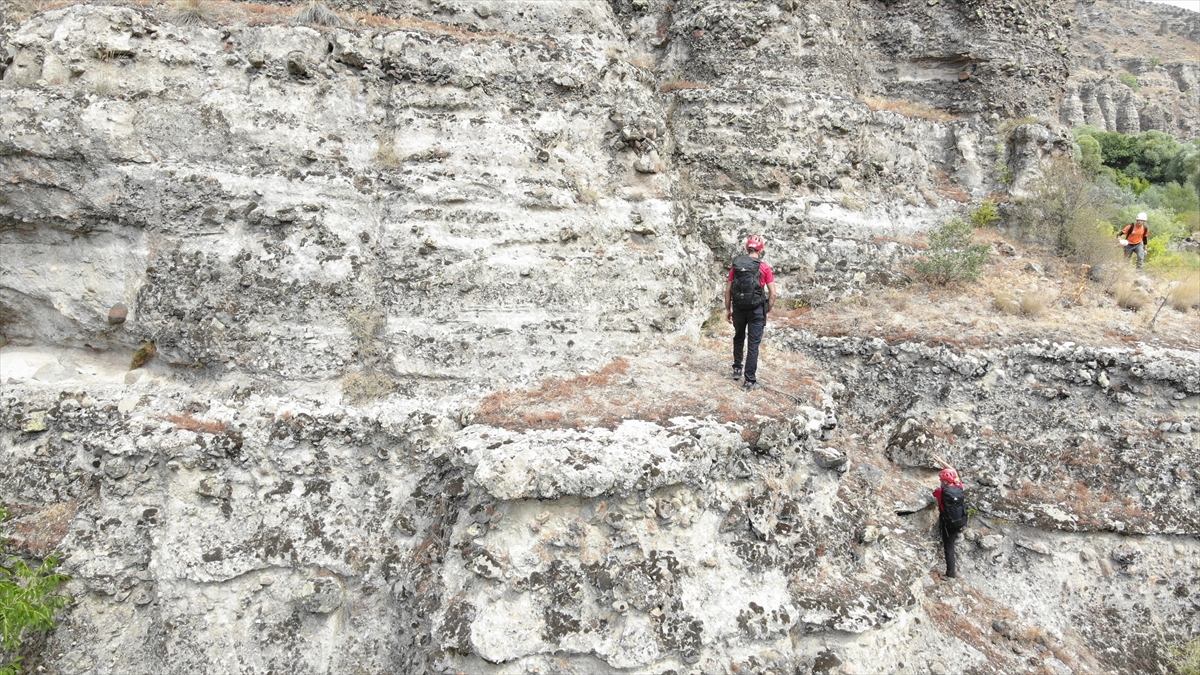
(746, 291)
(954, 506)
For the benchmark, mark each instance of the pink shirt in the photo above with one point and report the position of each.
(768, 275)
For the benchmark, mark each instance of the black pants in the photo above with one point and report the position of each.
(949, 536)
(750, 321)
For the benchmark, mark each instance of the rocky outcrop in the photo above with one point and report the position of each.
(329, 243)
(392, 536)
(1145, 53)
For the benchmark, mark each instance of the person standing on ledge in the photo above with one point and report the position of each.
(1135, 236)
(952, 512)
(749, 296)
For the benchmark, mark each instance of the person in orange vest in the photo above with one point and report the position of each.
(1136, 235)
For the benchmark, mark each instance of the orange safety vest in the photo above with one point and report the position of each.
(1135, 233)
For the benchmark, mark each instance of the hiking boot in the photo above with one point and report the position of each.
(749, 385)
(737, 372)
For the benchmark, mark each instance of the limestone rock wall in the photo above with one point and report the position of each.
(341, 238)
(234, 531)
(450, 180)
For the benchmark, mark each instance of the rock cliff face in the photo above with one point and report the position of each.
(1155, 48)
(434, 385)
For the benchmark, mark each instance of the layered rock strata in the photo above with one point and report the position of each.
(334, 240)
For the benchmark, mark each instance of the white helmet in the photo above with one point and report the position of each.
(1142, 215)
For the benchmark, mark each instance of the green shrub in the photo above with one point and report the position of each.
(143, 355)
(1068, 211)
(1185, 658)
(27, 602)
(952, 256)
(1130, 80)
(1179, 198)
(1091, 157)
(1184, 167)
(985, 214)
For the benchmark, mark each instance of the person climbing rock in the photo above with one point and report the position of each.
(749, 296)
(1135, 235)
(952, 512)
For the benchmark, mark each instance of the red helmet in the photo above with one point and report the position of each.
(948, 476)
(755, 243)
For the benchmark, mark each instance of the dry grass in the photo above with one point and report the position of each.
(193, 12)
(189, 423)
(104, 86)
(1033, 303)
(1094, 508)
(366, 385)
(372, 378)
(385, 155)
(947, 189)
(1129, 296)
(1006, 302)
(1184, 292)
(962, 316)
(317, 14)
(908, 109)
(20, 10)
(222, 12)
(971, 622)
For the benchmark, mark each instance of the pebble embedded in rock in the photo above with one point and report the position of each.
(118, 314)
(829, 458)
(116, 469)
(298, 64)
(320, 595)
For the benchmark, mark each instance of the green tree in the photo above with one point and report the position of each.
(1184, 167)
(952, 255)
(1154, 151)
(1091, 158)
(27, 601)
(1172, 196)
(1148, 155)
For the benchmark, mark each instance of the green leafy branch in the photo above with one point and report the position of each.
(27, 601)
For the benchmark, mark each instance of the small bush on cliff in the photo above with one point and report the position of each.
(1185, 658)
(1068, 211)
(985, 214)
(952, 256)
(27, 601)
(143, 355)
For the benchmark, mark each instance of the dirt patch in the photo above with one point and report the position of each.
(658, 387)
(42, 531)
